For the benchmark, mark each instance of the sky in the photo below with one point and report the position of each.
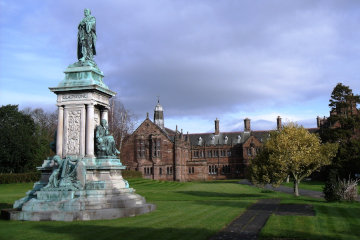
(209, 59)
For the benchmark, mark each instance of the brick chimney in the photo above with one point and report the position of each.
(247, 125)
(278, 123)
(217, 127)
(318, 121)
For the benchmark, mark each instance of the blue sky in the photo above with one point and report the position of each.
(208, 59)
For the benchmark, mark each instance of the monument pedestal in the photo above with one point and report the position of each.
(83, 186)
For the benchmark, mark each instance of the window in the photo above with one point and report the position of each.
(169, 170)
(160, 171)
(229, 153)
(226, 139)
(148, 171)
(209, 153)
(249, 152)
(226, 169)
(216, 153)
(191, 170)
(156, 147)
(213, 169)
(202, 154)
(196, 154)
(141, 148)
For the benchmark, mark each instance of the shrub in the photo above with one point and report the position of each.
(19, 177)
(340, 190)
(131, 174)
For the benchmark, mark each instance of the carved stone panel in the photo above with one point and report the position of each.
(73, 132)
(96, 117)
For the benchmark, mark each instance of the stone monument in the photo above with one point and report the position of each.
(83, 180)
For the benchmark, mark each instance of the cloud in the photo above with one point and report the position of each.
(205, 59)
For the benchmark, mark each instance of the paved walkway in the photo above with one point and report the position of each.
(249, 224)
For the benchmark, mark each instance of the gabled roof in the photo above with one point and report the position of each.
(159, 128)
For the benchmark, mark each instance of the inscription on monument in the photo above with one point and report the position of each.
(73, 133)
(74, 97)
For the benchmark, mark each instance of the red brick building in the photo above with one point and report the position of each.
(164, 154)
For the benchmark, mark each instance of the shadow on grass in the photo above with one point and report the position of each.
(81, 231)
(219, 181)
(220, 194)
(294, 235)
(236, 204)
(5, 205)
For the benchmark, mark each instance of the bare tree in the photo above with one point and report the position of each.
(121, 121)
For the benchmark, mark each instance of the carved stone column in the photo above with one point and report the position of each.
(60, 131)
(105, 114)
(82, 131)
(65, 140)
(90, 130)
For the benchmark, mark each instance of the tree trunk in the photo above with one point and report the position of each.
(288, 179)
(296, 187)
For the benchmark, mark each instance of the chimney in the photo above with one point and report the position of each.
(247, 125)
(217, 128)
(318, 121)
(278, 123)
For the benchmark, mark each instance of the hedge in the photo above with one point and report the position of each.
(35, 176)
(19, 177)
(131, 174)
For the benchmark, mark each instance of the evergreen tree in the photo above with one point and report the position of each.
(17, 145)
(343, 127)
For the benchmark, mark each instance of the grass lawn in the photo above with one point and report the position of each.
(311, 185)
(308, 185)
(194, 210)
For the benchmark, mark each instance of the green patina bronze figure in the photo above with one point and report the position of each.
(105, 143)
(87, 38)
(63, 176)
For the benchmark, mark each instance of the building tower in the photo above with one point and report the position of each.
(159, 115)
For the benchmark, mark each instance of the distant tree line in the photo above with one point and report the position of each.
(26, 135)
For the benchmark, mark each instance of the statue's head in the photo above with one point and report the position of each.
(87, 12)
(57, 159)
(103, 122)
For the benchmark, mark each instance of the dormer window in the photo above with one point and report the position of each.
(200, 141)
(238, 139)
(226, 140)
(212, 140)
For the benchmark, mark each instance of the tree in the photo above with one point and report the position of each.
(121, 121)
(46, 125)
(291, 151)
(343, 101)
(17, 145)
(343, 127)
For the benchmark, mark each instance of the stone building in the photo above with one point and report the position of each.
(164, 154)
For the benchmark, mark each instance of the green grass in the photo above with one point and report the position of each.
(333, 221)
(308, 185)
(311, 185)
(193, 210)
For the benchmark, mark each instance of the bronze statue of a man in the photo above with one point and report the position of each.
(86, 37)
(105, 143)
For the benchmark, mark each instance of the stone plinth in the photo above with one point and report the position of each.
(105, 195)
